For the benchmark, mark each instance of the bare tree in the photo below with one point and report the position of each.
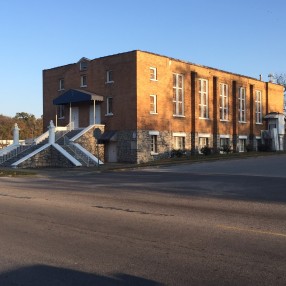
(280, 79)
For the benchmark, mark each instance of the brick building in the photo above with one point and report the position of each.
(150, 104)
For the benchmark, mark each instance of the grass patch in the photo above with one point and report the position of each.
(15, 173)
(206, 158)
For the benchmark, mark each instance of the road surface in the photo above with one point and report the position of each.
(218, 223)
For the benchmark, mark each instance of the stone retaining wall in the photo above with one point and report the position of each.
(49, 157)
(89, 142)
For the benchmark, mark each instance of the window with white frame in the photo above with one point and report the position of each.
(178, 95)
(83, 65)
(241, 145)
(224, 142)
(154, 144)
(179, 142)
(203, 142)
(154, 141)
(153, 104)
(258, 106)
(242, 105)
(83, 81)
(109, 107)
(203, 94)
(153, 73)
(61, 84)
(223, 107)
(109, 76)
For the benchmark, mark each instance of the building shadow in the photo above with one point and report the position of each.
(44, 275)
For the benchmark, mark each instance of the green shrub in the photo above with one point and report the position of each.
(178, 153)
(226, 149)
(206, 150)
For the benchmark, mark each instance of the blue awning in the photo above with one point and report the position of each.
(107, 136)
(76, 95)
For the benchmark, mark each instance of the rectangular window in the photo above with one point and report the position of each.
(203, 142)
(178, 95)
(242, 105)
(109, 109)
(241, 145)
(223, 107)
(224, 142)
(203, 97)
(153, 73)
(153, 104)
(179, 142)
(83, 81)
(83, 65)
(61, 84)
(154, 147)
(109, 77)
(258, 106)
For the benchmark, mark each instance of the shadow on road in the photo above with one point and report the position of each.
(44, 275)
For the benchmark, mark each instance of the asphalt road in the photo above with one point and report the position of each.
(218, 223)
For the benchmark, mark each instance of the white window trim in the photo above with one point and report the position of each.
(204, 135)
(107, 107)
(83, 65)
(61, 85)
(182, 116)
(200, 146)
(203, 94)
(153, 132)
(226, 136)
(242, 104)
(238, 145)
(224, 98)
(108, 77)
(154, 96)
(81, 80)
(179, 134)
(258, 105)
(155, 73)
(176, 101)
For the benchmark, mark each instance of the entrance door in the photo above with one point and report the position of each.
(97, 115)
(112, 152)
(75, 117)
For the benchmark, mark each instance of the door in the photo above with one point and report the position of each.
(97, 115)
(112, 152)
(75, 117)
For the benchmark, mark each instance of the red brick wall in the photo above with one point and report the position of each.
(165, 120)
(123, 90)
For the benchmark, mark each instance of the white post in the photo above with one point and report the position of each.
(52, 129)
(93, 111)
(70, 116)
(281, 142)
(16, 134)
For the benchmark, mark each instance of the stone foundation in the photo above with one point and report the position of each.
(89, 142)
(50, 157)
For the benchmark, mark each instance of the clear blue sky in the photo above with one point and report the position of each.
(240, 36)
